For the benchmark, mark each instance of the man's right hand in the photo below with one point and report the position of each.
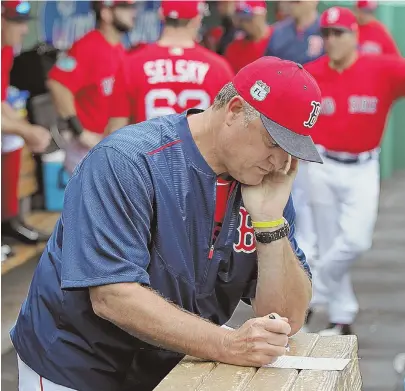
(89, 139)
(257, 342)
(37, 138)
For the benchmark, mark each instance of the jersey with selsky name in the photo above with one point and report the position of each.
(140, 208)
(88, 71)
(167, 80)
(356, 102)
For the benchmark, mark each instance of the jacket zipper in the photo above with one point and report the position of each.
(211, 252)
(231, 191)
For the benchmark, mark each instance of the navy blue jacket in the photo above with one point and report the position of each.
(299, 46)
(139, 208)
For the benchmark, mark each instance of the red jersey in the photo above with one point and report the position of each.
(160, 80)
(356, 102)
(7, 58)
(374, 38)
(223, 190)
(88, 70)
(137, 47)
(242, 51)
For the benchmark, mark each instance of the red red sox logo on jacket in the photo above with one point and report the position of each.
(245, 240)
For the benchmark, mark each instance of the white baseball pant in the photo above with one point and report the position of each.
(28, 380)
(305, 233)
(345, 206)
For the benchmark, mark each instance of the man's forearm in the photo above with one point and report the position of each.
(283, 286)
(147, 316)
(63, 99)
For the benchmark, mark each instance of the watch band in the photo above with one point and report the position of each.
(75, 125)
(269, 237)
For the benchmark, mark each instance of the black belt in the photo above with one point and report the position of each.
(351, 160)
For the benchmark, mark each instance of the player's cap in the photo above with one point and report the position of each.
(246, 9)
(17, 11)
(339, 18)
(288, 100)
(367, 5)
(183, 9)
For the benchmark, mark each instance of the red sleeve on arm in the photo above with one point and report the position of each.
(390, 47)
(72, 70)
(223, 74)
(7, 58)
(4, 82)
(120, 105)
(394, 69)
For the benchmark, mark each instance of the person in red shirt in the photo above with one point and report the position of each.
(251, 16)
(357, 93)
(170, 76)
(81, 82)
(15, 129)
(374, 38)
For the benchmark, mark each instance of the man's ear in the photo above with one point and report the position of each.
(234, 109)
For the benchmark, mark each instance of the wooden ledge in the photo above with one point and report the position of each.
(192, 374)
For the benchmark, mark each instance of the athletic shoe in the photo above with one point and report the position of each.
(20, 231)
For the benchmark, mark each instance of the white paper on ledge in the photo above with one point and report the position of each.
(314, 363)
(302, 362)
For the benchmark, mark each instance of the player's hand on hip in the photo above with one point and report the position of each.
(37, 138)
(267, 200)
(89, 139)
(258, 342)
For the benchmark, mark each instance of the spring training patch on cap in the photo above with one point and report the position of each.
(259, 90)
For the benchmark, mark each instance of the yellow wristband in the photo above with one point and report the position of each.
(268, 224)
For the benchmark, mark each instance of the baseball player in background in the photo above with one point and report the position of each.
(298, 39)
(219, 37)
(15, 129)
(170, 76)
(251, 18)
(374, 38)
(81, 82)
(136, 271)
(357, 93)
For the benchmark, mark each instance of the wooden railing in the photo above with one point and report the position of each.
(193, 374)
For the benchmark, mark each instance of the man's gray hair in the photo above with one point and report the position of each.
(228, 91)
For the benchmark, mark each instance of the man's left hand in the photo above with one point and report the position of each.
(266, 201)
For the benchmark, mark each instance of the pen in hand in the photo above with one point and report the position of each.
(275, 316)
